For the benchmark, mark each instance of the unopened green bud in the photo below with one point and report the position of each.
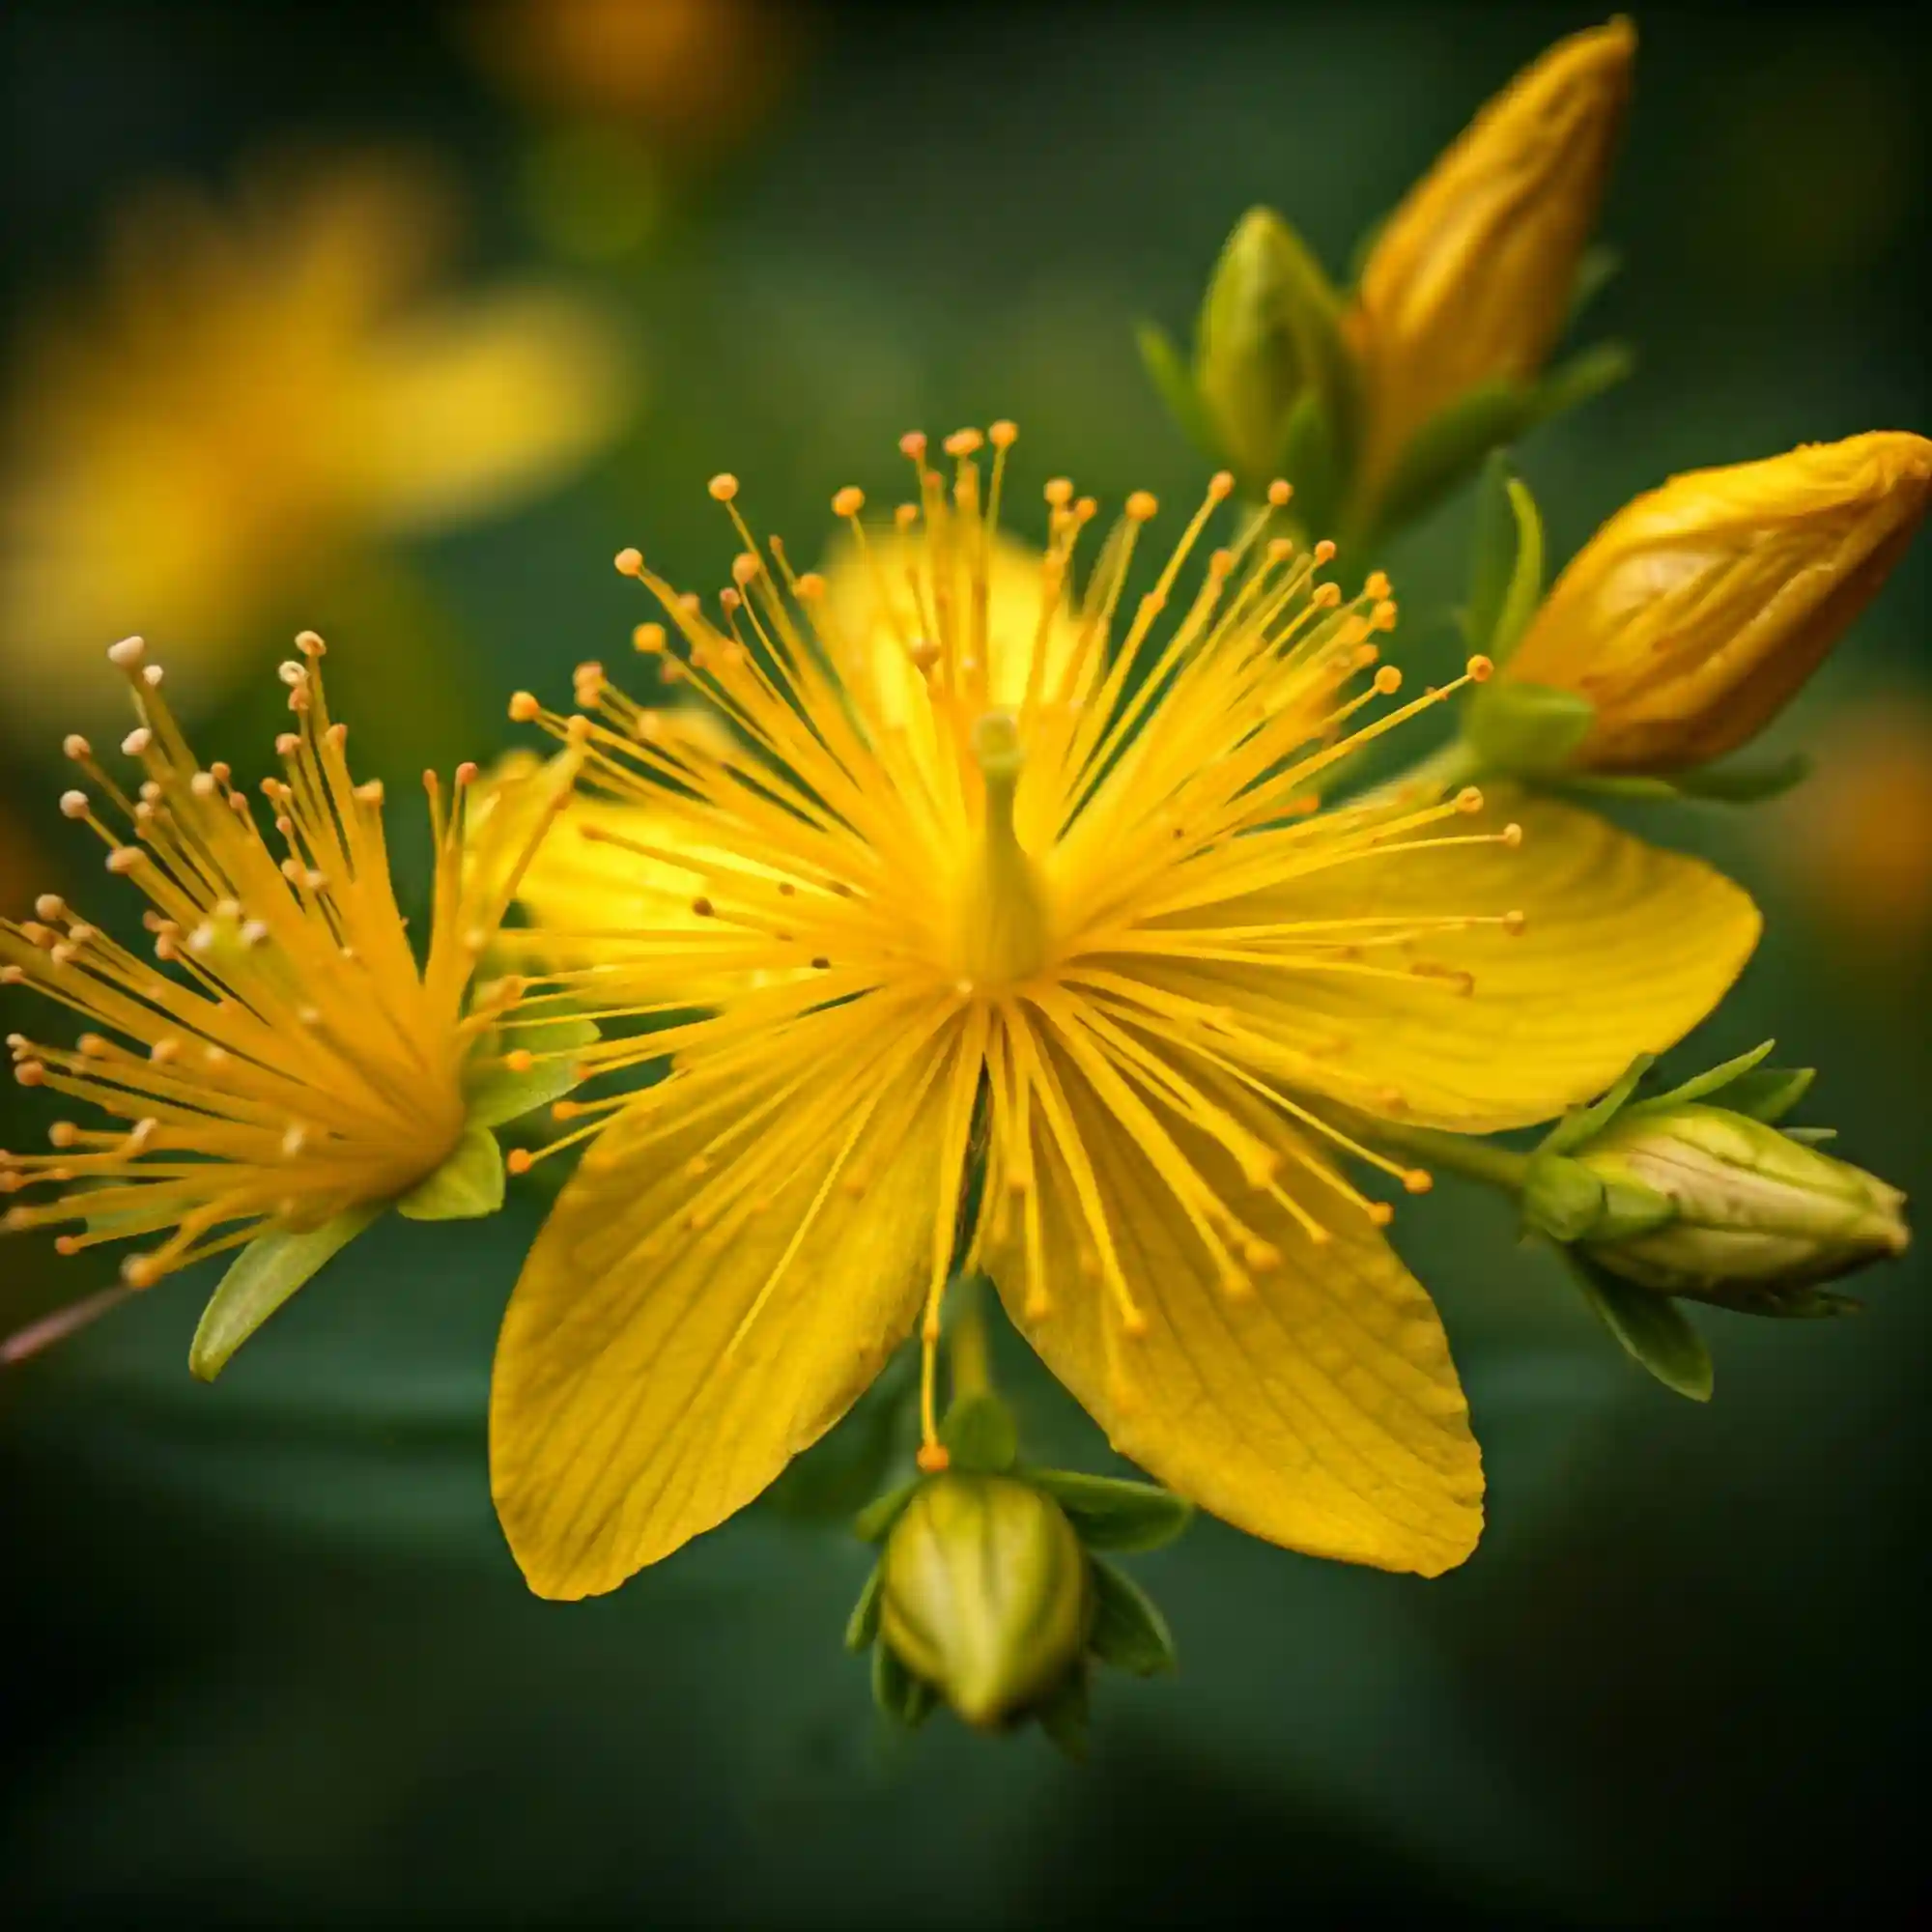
(1715, 1206)
(1248, 367)
(985, 1594)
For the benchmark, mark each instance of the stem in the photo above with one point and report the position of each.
(1459, 1153)
(969, 1344)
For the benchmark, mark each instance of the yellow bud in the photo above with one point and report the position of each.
(1469, 281)
(1697, 612)
(985, 1594)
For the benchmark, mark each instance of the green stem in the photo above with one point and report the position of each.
(1459, 1153)
(969, 1342)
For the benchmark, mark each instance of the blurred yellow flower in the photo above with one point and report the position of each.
(259, 386)
(1470, 279)
(298, 1069)
(1698, 610)
(1048, 878)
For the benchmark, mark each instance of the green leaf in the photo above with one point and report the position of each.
(467, 1184)
(1811, 1136)
(905, 1698)
(1703, 1086)
(980, 1435)
(1585, 376)
(1652, 1329)
(1064, 1715)
(1175, 384)
(1746, 783)
(1110, 1514)
(1768, 1094)
(1128, 1632)
(1581, 1123)
(261, 1278)
(862, 1626)
(1593, 785)
(875, 1523)
(1451, 444)
(1528, 730)
(495, 1094)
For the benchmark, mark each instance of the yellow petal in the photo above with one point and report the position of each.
(1625, 949)
(465, 410)
(1321, 1411)
(653, 1375)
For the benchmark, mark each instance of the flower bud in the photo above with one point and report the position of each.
(1469, 281)
(1697, 612)
(985, 1594)
(1712, 1204)
(1248, 367)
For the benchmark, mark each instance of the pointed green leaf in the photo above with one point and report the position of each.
(1175, 384)
(1748, 782)
(862, 1625)
(980, 1435)
(1451, 444)
(1652, 1329)
(1064, 1716)
(1128, 1632)
(1528, 730)
(903, 1697)
(1768, 1094)
(261, 1278)
(1703, 1086)
(873, 1523)
(1110, 1514)
(1579, 1125)
(495, 1094)
(1594, 784)
(467, 1184)
(1811, 1136)
(1585, 376)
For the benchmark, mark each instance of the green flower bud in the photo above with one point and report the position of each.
(1709, 1204)
(1247, 366)
(985, 1594)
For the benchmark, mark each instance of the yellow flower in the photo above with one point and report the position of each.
(1694, 616)
(299, 1069)
(260, 386)
(1470, 279)
(1048, 887)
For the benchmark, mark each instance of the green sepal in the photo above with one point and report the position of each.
(1706, 1085)
(1581, 1122)
(1811, 1136)
(862, 1626)
(1525, 585)
(1450, 444)
(1581, 379)
(901, 1696)
(1492, 546)
(1629, 1210)
(494, 1095)
(1111, 1514)
(1748, 782)
(1561, 1198)
(1527, 731)
(1174, 381)
(1310, 462)
(1598, 784)
(468, 1184)
(261, 1278)
(1064, 1715)
(1598, 266)
(1128, 1632)
(875, 1523)
(980, 1435)
(1653, 1329)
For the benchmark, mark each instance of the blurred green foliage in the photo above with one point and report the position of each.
(267, 1657)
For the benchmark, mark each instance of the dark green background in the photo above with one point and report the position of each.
(264, 1655)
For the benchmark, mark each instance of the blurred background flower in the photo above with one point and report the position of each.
(252, 388)
(271, 1659)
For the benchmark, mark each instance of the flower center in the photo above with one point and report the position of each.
(1005, 932)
